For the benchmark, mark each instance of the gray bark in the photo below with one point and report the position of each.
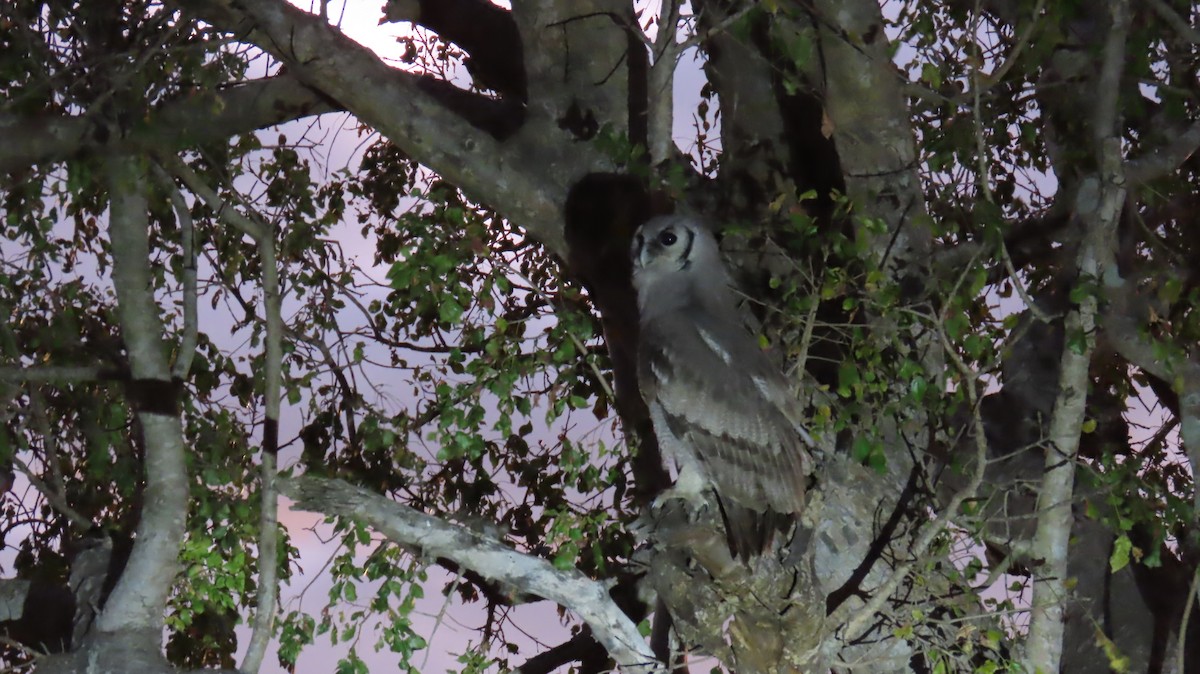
(138, 600)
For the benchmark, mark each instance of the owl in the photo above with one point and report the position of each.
(722, 411)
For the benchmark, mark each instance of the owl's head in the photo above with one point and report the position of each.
(673, 243)
(676, 249)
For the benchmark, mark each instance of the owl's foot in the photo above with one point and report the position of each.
(675, 500)
(672, 511)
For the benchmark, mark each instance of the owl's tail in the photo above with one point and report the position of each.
(750, 532)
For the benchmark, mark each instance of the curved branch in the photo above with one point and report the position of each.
(491, 559)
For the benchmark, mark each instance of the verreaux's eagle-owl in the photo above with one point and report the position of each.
(721, 409)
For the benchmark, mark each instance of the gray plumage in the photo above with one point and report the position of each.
(721, 408)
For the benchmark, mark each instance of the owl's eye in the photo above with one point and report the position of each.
(667, 238)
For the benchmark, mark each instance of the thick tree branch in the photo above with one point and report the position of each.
(53, 496)
(526, 179)
(1125, 316)
(196, 120)
(491, 559)
(1165, 159)
(139, 598)
(874, 136)
(580, 648)
(485, 31)
(1180, 25)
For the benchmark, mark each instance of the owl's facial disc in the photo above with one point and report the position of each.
(670, 247)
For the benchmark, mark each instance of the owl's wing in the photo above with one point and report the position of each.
(723, 399)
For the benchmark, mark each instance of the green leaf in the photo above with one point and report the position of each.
(848, 378)
(1119, 558)
(449, 311)
(932, 75)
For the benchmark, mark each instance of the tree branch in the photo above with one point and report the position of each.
(1124, 317)
(580, 648)
(195, 120)
(491, 559)
(1098, 206)
(138, 600)
(1166, 158)
(268, 537)
(268, 540)
(52, 374)
(526, 180)
(1177, 23)
(485, 31)
(190, 337)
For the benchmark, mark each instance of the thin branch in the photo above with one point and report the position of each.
(580, 648)
(1032, 305)
(864, 617)
(491, 559)
(273, 386)
(810, 321)
(583, 349)
(720, 27)
(190, 337)
(55, 498)
(209, 196)
(1181, 642)
(50, 448)
(994, 77)
(268, 563)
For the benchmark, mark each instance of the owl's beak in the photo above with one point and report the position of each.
(639, 251)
